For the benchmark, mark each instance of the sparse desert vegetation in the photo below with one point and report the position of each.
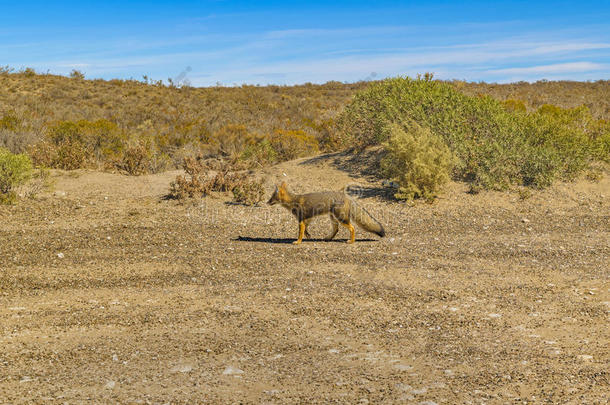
(528, 135)
(151, 273)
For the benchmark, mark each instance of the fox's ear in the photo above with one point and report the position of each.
(283, 185)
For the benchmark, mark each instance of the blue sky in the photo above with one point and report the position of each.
(282, 42)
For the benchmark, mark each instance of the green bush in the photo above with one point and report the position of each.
(417, 160)
(496, 145)
(578, 132)
(15, 170)
(601, 147)
(259, 152)
(514, 105)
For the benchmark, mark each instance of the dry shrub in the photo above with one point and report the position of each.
(231, 140)
(76, 74)
(38, 182)
(43, 154)
(327, 135)
(281, 145)
(204, 176)
(82, 144)
(291, 144)
(70, 155)
(194, 183)
(15, 133)
(17, 141)
(10, 122)
(136, 159)
(249, 192)
(99, 144)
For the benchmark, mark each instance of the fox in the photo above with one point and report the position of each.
(341, 208)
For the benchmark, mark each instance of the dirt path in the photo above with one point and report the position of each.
(110, 294)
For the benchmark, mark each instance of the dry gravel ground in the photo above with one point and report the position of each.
(110, 294)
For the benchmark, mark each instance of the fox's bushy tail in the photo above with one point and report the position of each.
(365, 220)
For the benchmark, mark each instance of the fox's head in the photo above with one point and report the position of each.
(279, 194)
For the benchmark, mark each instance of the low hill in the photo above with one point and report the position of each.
(31, 101)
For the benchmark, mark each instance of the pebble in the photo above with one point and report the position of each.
(182, 368)
(402, 367)
(230, 370)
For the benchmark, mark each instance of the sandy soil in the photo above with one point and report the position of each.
(108, 293)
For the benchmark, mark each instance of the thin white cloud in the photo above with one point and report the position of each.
(336, 32)
(73, 65)
(477, 56)
(572, 67)
(391, 60)
(571, 47)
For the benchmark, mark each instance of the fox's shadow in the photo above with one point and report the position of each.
(290, 240)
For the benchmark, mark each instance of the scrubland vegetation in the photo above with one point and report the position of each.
(491, 136)
(110, 293)
(495, 144)
(15, 169)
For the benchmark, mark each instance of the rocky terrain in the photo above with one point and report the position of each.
(110, 293)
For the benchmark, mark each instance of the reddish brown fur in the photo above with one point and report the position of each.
(341, 208)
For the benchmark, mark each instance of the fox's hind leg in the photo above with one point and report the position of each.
(341, 213)
(335, 229)
(307, 235)
(352, 231)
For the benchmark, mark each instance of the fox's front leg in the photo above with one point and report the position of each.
(301, 233)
